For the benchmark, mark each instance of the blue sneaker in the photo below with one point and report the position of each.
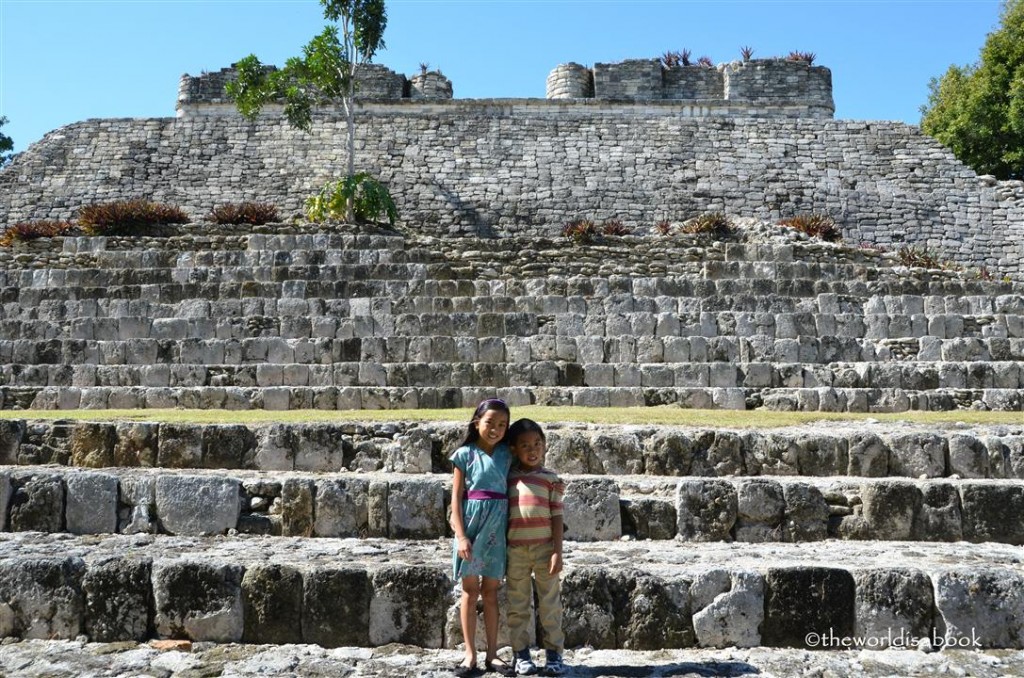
(553, 665)
(524, 663)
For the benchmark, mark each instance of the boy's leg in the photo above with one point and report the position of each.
(549, 600)
(519, 586)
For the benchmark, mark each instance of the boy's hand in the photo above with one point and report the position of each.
(556, 564)
(466, 549)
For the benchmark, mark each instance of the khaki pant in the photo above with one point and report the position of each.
(522, 561)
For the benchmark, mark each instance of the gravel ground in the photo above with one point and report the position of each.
(57, 659)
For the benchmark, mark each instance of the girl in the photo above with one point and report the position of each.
(479, 520)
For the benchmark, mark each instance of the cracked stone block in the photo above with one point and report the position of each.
(803, 600)
(658, 614)
(118, 595)
(180, 446)
(728, 608)
(649, 518)
(227, 446)
(297, 502)
(916, 455)
(416, 509)
(91, 506)
(761, 507)
(986, 509)
(807, 513)
(272, 604)
(408, 606)
(341, 507)
(667, 453)
(92, 445)
(706, 509)
(968, 456)
(336, 607)
(37, 503)
(11, 433)
(980, 607)
(198, 601)
(137, 444)
(890, 509)
(617, 454)
(594, 605)
(891, 604)
(41, 598)
(940, 516)
(198, 505)
(591, 510)
(868, 455)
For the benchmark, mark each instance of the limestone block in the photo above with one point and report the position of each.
(11, 433)
(807, 513)
(297, 506)
(728, 608)
(761, 506)
(198, 601)
(416, 509)
(319, 447)
(986, 510)
(718, 453)
(617, 454)
(940, 516)
(180, 446)
(968, 456)
(341, 507)
(772, 454)
(869, 456)
(668, 453)
(800, 601)
(136, 444)
(272, 604)
(649, 518)
(227, 446)
(197, 505)
(41, 598)
(592, 510)
(819, 455)
(706, 509)
(409, 453)
(91, 506)
(118, 595)
(891, 508)
(275, 448)
(658, 614)
(914, 455)
(408, 606)
(570, 452)
(980, 607)
(36, 503)
(336, 607)
(92, 444)
(595, 603)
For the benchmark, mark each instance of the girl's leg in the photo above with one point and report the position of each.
(489, 592)
(467, 615)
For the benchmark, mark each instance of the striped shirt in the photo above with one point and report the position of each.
(533, 498)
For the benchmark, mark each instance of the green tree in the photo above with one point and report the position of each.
(6, 144)
(978, 110)
(323, 74)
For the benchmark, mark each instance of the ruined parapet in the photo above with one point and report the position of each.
(430, 85)
(693, 82)
(378, 82)
(570, 81)
(777, 80)
(634, 79)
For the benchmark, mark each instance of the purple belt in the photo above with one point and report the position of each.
(485, 494)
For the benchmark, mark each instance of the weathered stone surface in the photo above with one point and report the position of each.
(408, 606)
(891, 508)
(197, 504)
(118, 599)
(719, 453)
(728, 608)
(41, 597)
(11, 433)
(91, 503)
(617, 454)
(180, 446)
(5, 498)
(37, 503)
(807, 600)
(988, 510)
(917, 455)
(594, 605)
(980, 607)
(649, 518)
(772, 454)
(869, 455)
(227, 446)
(892, 604)
(319, 447)
(137, 444)
(706, 510)
(569, 452)
(410, 453)
(415, 509)
(968, 457)
(198, 601)
(275, 449)
(272, 604)
(336, 607)
(297, 507)
(658, 615)
(807, 513)
(761, 506)
(591, 510)
(668, 453)
(341, 507)
(822, 455)
(92, 444)
(940, 516)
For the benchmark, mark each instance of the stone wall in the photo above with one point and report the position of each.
(504, 167)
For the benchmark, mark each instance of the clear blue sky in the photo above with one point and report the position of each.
(67, 60)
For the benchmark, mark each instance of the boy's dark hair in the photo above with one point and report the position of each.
(524, 426)
(472, 434)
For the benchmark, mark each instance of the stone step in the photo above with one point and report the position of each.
(838, 448)
(148, 365)
(743, 509)
(823, 399)
(643, 595)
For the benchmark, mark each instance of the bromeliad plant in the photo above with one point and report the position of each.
(23, 231)
(325, 72)
(819, 226)
(580, 231)
(127, 217)
(252, 213)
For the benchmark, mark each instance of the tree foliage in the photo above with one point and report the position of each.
(326, 71)
(6, 144)
(978, 110)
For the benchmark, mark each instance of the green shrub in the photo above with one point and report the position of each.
(580, 231)
(370, 200)
(127, 217)
(819, 226)
(23, 231)
(254, 213)
(714, 224)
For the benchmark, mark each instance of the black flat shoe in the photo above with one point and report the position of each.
(499, 667)
(463, 671)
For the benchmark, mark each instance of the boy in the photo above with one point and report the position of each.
(534, 548)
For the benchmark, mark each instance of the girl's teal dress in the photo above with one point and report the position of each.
(485, 520)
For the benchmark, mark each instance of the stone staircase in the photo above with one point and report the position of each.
(336, 534)
(336, 320)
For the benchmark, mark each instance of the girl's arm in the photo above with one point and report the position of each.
(458, 524)
(556, 543)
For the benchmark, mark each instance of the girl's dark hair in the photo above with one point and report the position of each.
(472, 433)
(524, 426)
